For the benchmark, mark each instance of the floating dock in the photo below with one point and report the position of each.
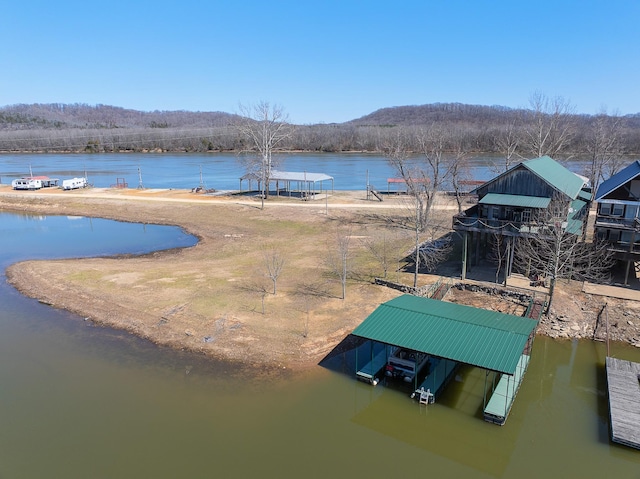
(440, 372)
(504, 394)
(370, 371)
(623, 384)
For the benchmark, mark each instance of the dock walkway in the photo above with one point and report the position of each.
(369, 371)
(623, 383)
(504, 394)
(439, 375)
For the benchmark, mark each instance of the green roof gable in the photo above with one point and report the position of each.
(556, 175)
(479, 337)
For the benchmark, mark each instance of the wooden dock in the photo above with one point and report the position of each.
(623, 383)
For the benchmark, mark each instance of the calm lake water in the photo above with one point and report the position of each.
(79, 401)
(220, 171)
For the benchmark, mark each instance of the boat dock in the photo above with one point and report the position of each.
(504, 394)
(440, 372)
(370, 371)
(623, 384)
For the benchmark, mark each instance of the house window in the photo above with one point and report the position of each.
(526, 216)
(614, 236)
(625, 237)
(508, 213)
(605, 209)
(618, 210)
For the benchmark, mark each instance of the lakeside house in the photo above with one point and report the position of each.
(618, 215)
(520, 202)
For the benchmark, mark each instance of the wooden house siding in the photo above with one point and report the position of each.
(519, 181)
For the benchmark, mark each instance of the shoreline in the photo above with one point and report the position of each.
(208, 299)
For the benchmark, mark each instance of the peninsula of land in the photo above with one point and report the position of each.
(217, 298)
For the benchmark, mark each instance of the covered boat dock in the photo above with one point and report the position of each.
(450, 334)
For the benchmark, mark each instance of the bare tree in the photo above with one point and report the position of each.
(603, 146)
(380, 249)
(389, 248)
(459, 172)
(550, 250)
(436, 167)
(550, 129)
(257, 288)
(307, 295)
(424, 175)
(434, 251)
(339, 258)
(430, 248)
(498, 253)
(273, 264)
(507, 142)
(265, 128)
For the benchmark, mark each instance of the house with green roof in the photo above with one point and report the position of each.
(518, 203)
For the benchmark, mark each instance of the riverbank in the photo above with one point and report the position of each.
(217, 299)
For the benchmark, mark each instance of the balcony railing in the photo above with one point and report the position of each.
(624, 246)
(504, 227)
(630, 224)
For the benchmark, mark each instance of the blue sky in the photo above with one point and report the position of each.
(323, 62)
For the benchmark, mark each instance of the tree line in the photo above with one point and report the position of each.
(474, 128)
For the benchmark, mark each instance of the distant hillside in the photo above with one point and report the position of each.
(416, 115)
(102, 128)
(60, 116)
(426, 114)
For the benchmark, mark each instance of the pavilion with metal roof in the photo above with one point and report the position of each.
(302, 183)
(497, 342)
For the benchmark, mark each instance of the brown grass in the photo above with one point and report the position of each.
(210, 298)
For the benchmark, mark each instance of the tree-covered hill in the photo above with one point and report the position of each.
(473, 128)
(77, 115)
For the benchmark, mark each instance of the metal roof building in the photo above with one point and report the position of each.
(451, 334)
(482, 338)
(299, 181)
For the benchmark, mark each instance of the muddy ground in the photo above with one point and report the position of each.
(216, 298)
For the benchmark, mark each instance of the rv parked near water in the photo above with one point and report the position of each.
(26, 184)
(74, 183)
(33, 183)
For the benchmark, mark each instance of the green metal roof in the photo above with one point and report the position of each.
(584, 195)
(556, 175)
(574, 223)
(479, 337)
(514, 200)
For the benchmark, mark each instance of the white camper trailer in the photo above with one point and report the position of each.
(74, 183)
(26, 184)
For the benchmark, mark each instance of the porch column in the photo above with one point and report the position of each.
(464, 255)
